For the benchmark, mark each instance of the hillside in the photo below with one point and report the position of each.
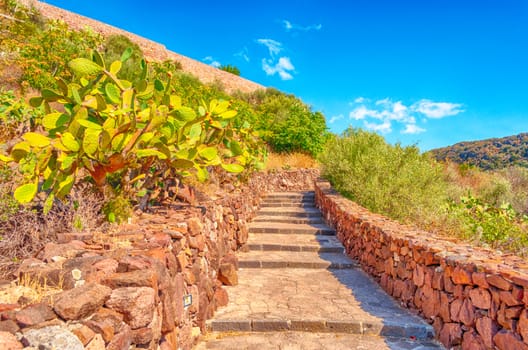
(152, 50)
(488, 154)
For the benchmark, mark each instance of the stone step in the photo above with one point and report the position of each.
(287, 228)
(289, 219)
(296, 212)
(314, 300)
(290, 195)
(267, 204)
(294, 243)
(295, 260)
(310, 340)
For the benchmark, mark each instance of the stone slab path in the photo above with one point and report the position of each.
(298, 290)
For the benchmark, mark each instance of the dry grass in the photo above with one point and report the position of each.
(26, 231)
(287, 161)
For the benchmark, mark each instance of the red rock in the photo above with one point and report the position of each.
(513, 297)
(444, 312)
(450, 335)
(195, 226)
(221, 297)
(486, 328)
(80, 302)
(522, 325)
(8, 307)
(431, 303)
(35, 314)
(84, 333)
(504, 321)
(456, 306)
(449, 286)
(137, 278)
(133, 263)
(418, 276)
(499, 282)
(506, 340)
(142, 335)
(135, 303)
(122, 340)
(398, 289)
(472, 341)
(437, 281)
(513, 312)
(9, 342)
(228, 275)
(479, 278)
(9, 326)
(67, 250)
(103, 327)
(461, 276)
(230, 259)
(480, 298)
(197, 242)
(169, 299)
(97, 343)
(160, 239)
(467, 313)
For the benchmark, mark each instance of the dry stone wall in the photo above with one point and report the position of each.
(152, 50)
(474, 298)
(150, 284)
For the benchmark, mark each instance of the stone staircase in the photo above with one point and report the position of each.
(298, 290)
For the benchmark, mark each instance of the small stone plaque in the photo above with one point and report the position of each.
(187, 300)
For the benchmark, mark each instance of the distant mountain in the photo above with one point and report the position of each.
(488, 154)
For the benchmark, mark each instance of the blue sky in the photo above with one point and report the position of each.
(429, 72)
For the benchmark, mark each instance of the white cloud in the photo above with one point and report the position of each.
(211, 61)
(437, 110)
(361, 113)
(244, 54)
(336, 118)
(384, 127)
(273, 46)
(289, 26)
(283, 67)
(412, 129)
(381, 115)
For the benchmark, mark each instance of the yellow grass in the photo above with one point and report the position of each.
(287, 161)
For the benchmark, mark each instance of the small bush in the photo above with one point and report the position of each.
(117, 209)
(230, 69)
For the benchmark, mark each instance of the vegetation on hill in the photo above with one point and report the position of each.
(486, 208)
(490, 154)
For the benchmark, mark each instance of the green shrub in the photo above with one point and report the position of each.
(497, 226)
(114, 47)
(230, 69)
(16, 116)
(392, 180)
(45, 55)
(286, 123)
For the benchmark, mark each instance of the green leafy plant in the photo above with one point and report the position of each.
(109, 125)
(16, 116)
(114, 46)
(496, 225)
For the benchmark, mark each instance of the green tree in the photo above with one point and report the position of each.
(230, 69)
